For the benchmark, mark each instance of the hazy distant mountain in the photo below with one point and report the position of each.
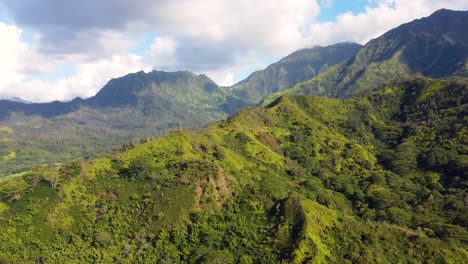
(435, 46)
(298, 67)
(18, 100)
(183, 93)
(191, 96)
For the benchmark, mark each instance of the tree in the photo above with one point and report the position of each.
(13, 189)
(34, 176)
(52, 176)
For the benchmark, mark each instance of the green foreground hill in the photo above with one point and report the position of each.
(379, 178)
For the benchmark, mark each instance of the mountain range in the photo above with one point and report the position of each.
(148, 104)
(337, 154)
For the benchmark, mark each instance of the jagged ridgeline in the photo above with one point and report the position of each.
(297, 67)
(380, 178)
(434, 46)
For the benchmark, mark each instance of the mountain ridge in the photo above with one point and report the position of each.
(298, 66)
(435, 46)
(140, 80)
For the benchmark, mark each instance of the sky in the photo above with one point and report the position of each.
(58, 50)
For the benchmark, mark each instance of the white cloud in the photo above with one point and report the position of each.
(77, 28)
(11, 48)
(162, 52)
(272, 24)
(21, 62)
(86, 81)
(385, 15)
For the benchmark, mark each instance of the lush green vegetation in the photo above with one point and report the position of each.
(380, 178)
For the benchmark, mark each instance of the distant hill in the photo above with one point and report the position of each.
(18, 100)
(379, 178)
(183, 92)
(435, 46)
(297, 67)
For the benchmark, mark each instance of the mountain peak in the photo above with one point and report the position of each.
(134, 87)
(444, 11)
(435, 46)
(18, 100)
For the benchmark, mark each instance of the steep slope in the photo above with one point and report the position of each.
(435, 46)
(299, 66)
(379, 178)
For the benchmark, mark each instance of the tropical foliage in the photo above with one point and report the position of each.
(380, 178)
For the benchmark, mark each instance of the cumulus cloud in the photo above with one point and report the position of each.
(11, 49)
(21, 62)
(376, 20)
(276, 22)
(87, 79)
(162, 53)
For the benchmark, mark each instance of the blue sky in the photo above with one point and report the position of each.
(329, 12)
(53, 51)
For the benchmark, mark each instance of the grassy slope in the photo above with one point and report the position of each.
(376, 179)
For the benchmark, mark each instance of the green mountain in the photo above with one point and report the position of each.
(297, 67)
(380, 178)
(435, 46)
(194, 98)
(127, 108)
(141, 105)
